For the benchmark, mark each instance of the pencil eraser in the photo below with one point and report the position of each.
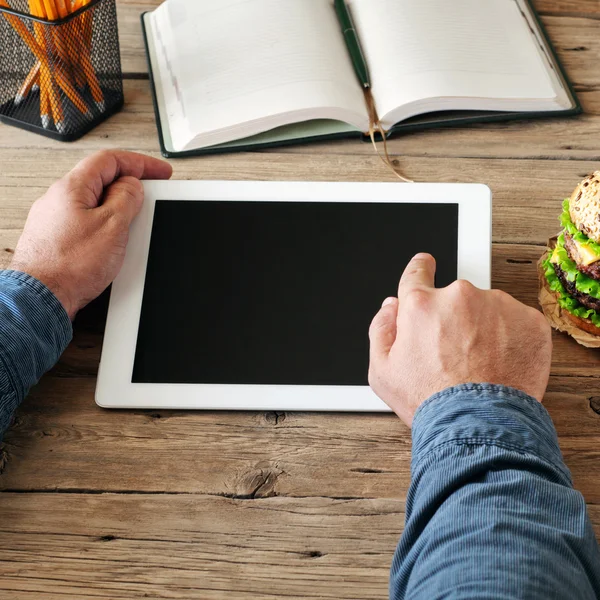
(45, 121)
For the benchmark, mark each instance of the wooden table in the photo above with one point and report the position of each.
(174, 504)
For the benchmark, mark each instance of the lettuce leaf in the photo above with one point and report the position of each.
(564, 300)
(569, 226)
(583, 283)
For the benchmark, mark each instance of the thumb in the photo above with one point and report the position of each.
(124, 198)
(382, 332)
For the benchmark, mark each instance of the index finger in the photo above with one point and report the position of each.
(420, 272)
(100, 170)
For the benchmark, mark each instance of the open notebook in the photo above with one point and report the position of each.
(235, 74)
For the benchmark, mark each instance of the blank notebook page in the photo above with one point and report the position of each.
(243, 61)
(420, 49)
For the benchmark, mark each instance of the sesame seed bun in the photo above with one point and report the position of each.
(584, 206)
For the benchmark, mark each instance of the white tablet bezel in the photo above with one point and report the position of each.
(114, 387)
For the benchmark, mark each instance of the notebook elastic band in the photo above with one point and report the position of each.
(375, 125)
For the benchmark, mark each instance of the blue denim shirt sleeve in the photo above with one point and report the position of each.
(491, 511)
(34, 331)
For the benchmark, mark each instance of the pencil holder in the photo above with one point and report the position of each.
(60, 65)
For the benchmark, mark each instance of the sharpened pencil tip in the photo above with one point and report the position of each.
(45, 121)
(18, 99)
(101, 106)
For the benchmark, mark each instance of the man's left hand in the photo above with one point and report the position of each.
(75, 236)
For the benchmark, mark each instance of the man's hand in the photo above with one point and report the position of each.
(427, 340)
(75, 236)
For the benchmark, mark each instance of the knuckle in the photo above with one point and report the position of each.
(461, 288)
(102, 155)
(131, 189)
(114, 219)
(416, 298)
(498, 294)
(541, 321)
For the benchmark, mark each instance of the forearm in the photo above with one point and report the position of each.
(491, 512)
(34, 332)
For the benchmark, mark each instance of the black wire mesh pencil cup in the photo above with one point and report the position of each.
(60, 65)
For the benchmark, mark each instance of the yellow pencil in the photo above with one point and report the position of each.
(39, 45)
(28, 83)
(62, 78)
(72, 48)
(20, 28)
(71, 93)
(84, 47)
(45, 107)
(55, 112)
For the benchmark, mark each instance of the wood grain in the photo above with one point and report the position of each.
(195, 547)
(210, 505)
(191, 547)
(134, 128)
(527, 193)
(590, 8)
(63, 442)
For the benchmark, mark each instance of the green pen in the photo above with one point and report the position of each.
(353, 43)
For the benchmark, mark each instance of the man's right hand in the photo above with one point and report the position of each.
(428, 339)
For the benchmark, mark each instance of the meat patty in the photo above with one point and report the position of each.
(584, 299)
(592, 270)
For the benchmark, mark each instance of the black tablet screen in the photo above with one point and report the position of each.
(277, 292)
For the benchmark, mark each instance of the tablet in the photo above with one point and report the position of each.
(259, 295)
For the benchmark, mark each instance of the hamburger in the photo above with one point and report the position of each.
(571, 269)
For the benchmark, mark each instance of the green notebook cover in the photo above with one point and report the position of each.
(313, 130)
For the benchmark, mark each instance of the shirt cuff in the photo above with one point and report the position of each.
(485, 414)
(36, 329)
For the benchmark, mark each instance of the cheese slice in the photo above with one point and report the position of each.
(554, 257)
(586, 255)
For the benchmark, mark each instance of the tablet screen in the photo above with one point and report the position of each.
(277, 292)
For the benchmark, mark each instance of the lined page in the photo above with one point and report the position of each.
(426, 49)
(246, 61)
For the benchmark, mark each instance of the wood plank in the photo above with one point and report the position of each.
(134, 129)
(62, 441)
(527, 193)
(564, 7)
(577, 45)
(193, 546)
